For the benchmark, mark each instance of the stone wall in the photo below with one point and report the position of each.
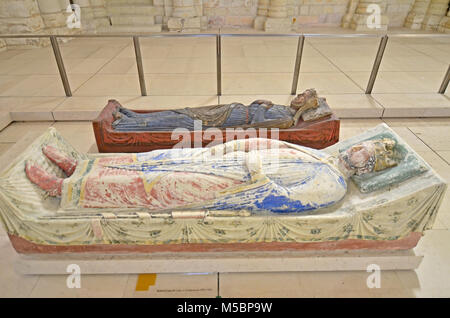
(428, 15)
(94, 16)
(53, 14)
(320, 12)
(397, 11)
(360, 18)
(231, 13)
(2, 45)
(437, 10)
(50, 16)
(21, 16)
(444, 25)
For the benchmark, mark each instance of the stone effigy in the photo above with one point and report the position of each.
(254, 174)
(245, 194)
(260, 114)
(308, 121)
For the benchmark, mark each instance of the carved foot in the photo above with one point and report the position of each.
(66, 163)
(44, 180)
(117, 114)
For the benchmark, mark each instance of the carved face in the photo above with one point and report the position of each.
(369, 156)
(359, 158)
(307, 97)
(359, 155)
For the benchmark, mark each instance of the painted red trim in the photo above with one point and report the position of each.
(26, 247)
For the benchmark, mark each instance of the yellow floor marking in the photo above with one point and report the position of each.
(145, 281)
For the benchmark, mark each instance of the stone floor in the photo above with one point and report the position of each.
(182, 72)
(429, 137)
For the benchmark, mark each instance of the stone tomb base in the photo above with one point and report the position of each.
(218, 262)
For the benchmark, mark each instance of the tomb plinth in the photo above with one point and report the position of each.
(368, 219)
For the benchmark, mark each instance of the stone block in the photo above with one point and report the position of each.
(2, 45)
(178, 24)
(278, 25)
(240, 21)
(18, 8)
(259, 22)
(304, 10)
(333, 18)
(98, 3)
(133, 10)
(397, 20)
(184, 12)
(82, 3)
(54, 20)
(204, 22)
(216, 21)
(444, 25)
(99, 12)
(431, 22)
(236, 11)
(223, 12)
(307, 19)
(49, 6)
(132, 20)
(362, 19)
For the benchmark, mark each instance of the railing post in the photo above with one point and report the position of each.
(444, 84)
(60, 63)
(219, 64)
(298, 62)
(137, 51)
(376, 64)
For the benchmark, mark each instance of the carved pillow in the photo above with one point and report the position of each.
(409, 165)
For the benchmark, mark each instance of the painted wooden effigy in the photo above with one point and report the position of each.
(315, 128)
(371, 191)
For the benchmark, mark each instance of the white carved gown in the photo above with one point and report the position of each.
(285, 180)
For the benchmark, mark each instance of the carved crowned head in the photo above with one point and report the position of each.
(370, 156)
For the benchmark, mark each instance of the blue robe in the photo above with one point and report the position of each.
(169, 120)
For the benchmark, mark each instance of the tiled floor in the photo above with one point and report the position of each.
(429, 137)
(410, 74)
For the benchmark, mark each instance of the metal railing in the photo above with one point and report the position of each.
(298, 60)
